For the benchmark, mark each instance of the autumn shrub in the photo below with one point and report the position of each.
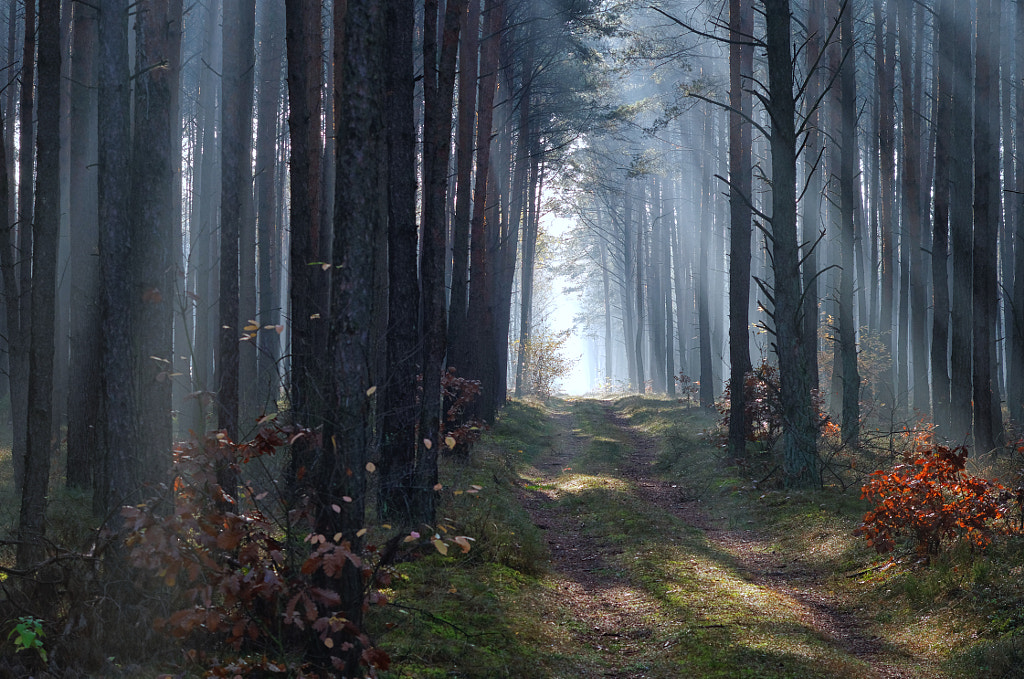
(762, 405)
(459, 394)
(545, 363)
(934, 500)
(247, 573)
(687, 388)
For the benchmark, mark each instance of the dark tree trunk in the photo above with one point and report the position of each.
(1016, 376)
(398, 400)
(987, 419)
(961, 228)
(799, 426)
(236, 192)
(638, 287)
(847, 189)
(481, 284)
(885, 55)
(360, 214)
(707, 386)
(439, 86)
(811, 216)
(39, 443)
(911, 176)
(940, 229)
(526, 280)
(118, 471)
(268, 227)
(740, 67)
(155, 251)
(308, 388)
(20, 352)
(468, 57)
(85, 330)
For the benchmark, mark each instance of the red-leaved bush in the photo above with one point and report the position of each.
(263, 586)
(933, 499)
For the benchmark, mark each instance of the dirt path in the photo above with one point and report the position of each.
(614, 617)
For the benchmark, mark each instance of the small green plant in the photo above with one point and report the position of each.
(28, 635)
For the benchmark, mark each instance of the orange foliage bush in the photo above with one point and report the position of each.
(240, 578)
(932, 498)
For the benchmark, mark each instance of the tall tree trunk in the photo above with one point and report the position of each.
(307, 384)
(961, 225)
(668, 217)
(847, 189)
(987, 420)
(398, 400)
(26, 172)
(811, 208)
(799, 425)
(1015, 383)
(439, 86)
(118, 470)
(481, 284)
(268, 228)
(39, 441)
(940, 228)
(85, 330)
(707, 386)
(740, 68)
(236, 190)
(526, 279)
(360, 214)
(469, 52)
(885, 55)
(155, 246)
(911, 176)
(203, 230)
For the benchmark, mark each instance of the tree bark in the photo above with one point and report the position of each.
(940, 228)
(740, 68)
(847, 188)
(987, 419)
(398, 400)
(961, 225)
(799, 427)
(267, 223)
(469, 52)
(307, 386)
(439, 86)
(154, 243)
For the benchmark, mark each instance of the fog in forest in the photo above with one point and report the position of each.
(354, 232)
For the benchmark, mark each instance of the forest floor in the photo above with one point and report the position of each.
(740, 592)
(643, 554)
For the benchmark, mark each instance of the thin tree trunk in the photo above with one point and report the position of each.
(961, 225)
(469, 52)
(481, 284)
(439, 85)
(268, 228)
(940, 228)
(847, 187)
